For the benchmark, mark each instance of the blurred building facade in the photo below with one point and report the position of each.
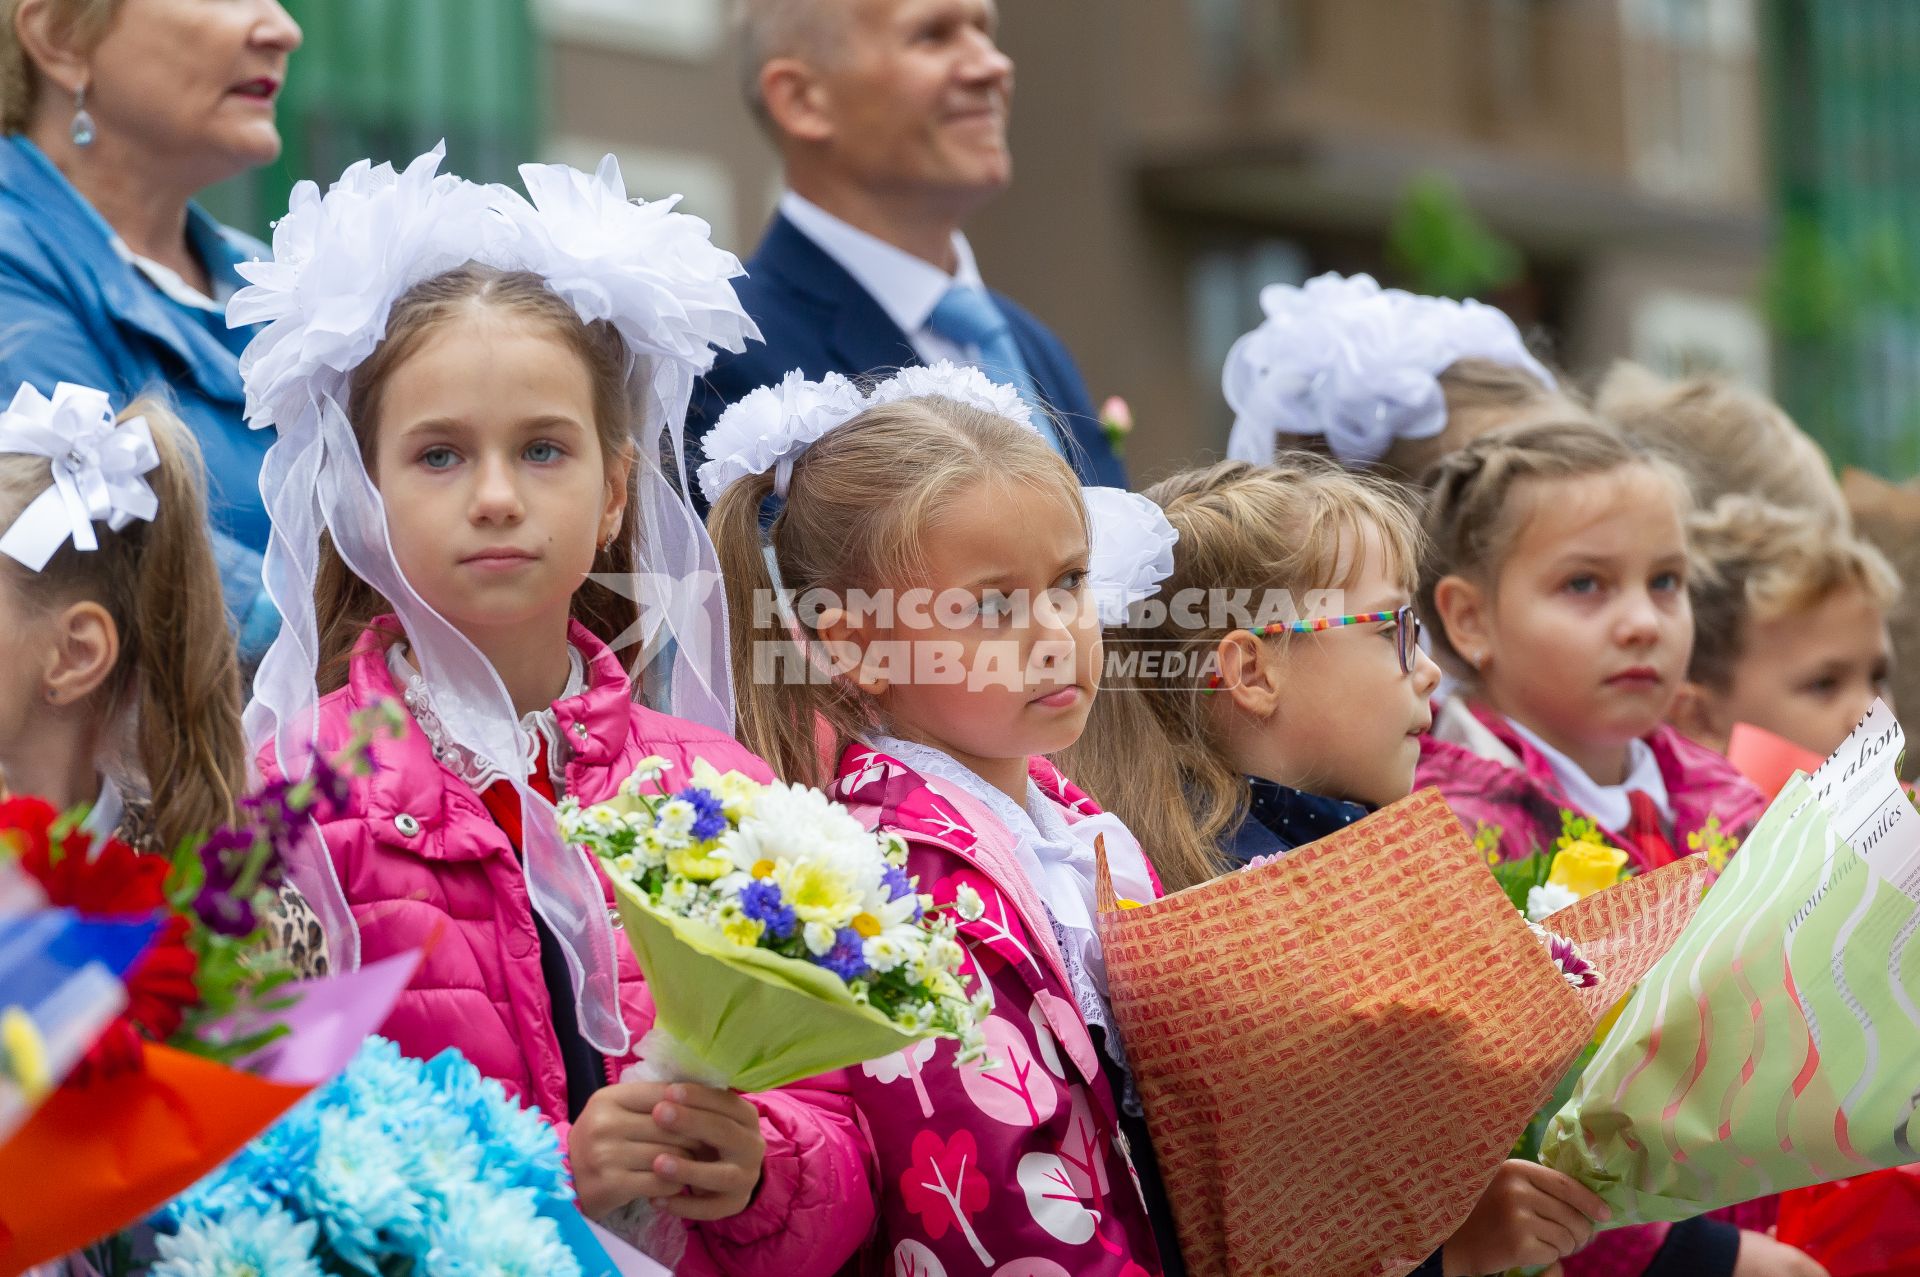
(1597, 167)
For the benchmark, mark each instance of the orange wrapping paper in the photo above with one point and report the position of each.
(97, 1158)
(1337, 1049)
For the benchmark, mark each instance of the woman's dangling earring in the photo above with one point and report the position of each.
(83, 131)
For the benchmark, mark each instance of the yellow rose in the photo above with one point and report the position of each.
(1586, 867)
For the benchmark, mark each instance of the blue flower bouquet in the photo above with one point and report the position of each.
(394, 1167)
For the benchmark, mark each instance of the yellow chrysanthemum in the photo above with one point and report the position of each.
(866, 924)
(743, 931)
(701, 865)
(817, 893)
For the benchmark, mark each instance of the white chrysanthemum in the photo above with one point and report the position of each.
(819, 938)
(673, 821)
(884, 953)
(968, 904)
(1548, 898)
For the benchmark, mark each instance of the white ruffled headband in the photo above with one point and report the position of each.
(98, 470)
(1359, 364)
(341, 261)
(770, 428)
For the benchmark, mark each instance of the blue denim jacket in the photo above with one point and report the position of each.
(73, 309)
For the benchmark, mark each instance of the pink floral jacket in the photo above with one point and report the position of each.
(1013, 1167)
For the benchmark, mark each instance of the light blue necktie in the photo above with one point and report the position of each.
(966, 316)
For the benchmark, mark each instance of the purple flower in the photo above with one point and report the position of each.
(710, 821)
(1573, 964)
(225, 913)
(898, 885)
(847, 959)
(760, 900)
(220, 902)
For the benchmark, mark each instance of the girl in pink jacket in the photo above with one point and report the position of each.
(915, 564)
(1555, 589)
(470, 392)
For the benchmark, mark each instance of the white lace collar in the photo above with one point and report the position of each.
(476, 771)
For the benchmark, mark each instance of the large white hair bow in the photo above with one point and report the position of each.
(1359, 364)
(98, 470)
(770, 427)
(1132, 545)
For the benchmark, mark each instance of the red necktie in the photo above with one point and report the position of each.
(1645, 833)
(503, 800)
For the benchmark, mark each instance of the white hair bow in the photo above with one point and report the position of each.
(97, 470)
(770, 427)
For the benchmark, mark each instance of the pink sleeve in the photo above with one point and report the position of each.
(1618, 1252)
(815, 1204)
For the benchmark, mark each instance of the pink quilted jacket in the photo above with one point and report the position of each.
(1014, 1167)
(425, 867)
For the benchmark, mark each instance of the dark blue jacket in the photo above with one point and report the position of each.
(72, 309)
(815, 317)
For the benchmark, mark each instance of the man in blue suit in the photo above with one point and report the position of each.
(890, 117)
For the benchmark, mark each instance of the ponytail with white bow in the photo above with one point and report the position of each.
(823, 486)
(113, 511)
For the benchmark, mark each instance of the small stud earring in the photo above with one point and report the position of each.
(82, 131)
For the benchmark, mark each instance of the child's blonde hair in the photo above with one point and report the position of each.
(81, 22)
(1482, 395)
(1761, 562)
(345, 604)
(1473, 520)
(862, 505)
(1726, 438)
(177, 672)
(1151, 752)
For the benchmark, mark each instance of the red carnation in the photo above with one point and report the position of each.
(113, 879)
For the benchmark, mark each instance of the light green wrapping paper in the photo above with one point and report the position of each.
(1777, 1044)
(760, 1021)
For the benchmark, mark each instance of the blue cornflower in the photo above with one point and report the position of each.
(263, 1243)
(847, 959)
(760, 900)
(711, 820)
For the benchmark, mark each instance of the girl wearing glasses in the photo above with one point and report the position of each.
(1296, 726)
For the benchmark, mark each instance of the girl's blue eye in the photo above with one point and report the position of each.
(1073, 580)
(543, 451)
(1583, 584)
(1667, 582)
(438, 458)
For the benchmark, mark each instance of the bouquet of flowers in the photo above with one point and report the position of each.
(1305, 1013)
(216, 1035)
(780, 938)
(395, 1166)
(1802, 949)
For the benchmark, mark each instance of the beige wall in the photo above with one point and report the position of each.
(1137, 149)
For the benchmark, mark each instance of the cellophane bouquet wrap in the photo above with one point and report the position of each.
(214, 1036)
(1773, 1047)
(1337, 1048)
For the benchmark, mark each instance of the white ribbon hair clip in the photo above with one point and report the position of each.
(769, 428)
(98, 468)
(1359, 364)
(1132, 550)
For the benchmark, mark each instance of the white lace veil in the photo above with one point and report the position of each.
(340, 262)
